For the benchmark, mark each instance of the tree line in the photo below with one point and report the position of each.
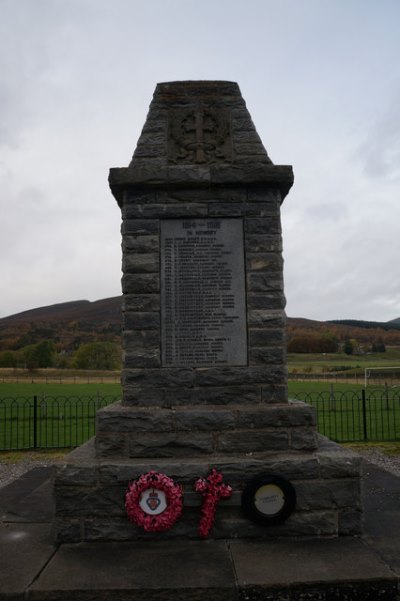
(92, 355)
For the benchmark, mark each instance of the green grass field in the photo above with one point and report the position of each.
(320, 363)
(65, 413)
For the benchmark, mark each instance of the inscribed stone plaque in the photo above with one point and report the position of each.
(203, 306)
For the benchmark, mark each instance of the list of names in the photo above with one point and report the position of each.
(203, 308)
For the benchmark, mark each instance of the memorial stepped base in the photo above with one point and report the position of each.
(90, 493)
(188, 431)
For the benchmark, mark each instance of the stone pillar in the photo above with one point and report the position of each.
(204, 377)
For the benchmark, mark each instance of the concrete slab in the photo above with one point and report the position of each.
(24, 550)
(344, 569)
(158, 570)
(299, 561)
(381, 490)
(30, 498)
(311, 569)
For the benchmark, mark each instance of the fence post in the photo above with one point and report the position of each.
(35, 407)
(332, 400)
(364, 412)
(387, 396)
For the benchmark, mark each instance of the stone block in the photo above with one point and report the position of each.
(229, 209)
(310, 524)
(110, 529)
(82, 502)
(140, 263)
(265, 262)
(328, 494)
(133, 197)
(253, 441)
(263, 337)
(303, 439)
(350, 522)
(258, 301)
(262, 209)
(142, 395)
(204, 419)
(238, 376)
(141, 339)
(142, 358)
(264, 282)
(146, 320)
(263, 243)
(225, 395)
(166, 211)
(293, 466)
(274, 393)
(139, 227)
(119, 418)
(174, 377)
(336, 462)
(264, 194)
(265, 318)
(148, 150)
(141, 302)
(267, 355)
(124, 471)
(140, 283)
(73, 475)
(67, 530)
(141, 244)
(262, 226)
(279, 416)
(207, 194)
(186, 444)
(110, 445)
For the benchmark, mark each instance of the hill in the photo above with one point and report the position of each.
(108, 309)
(68, 324)
(71, 324)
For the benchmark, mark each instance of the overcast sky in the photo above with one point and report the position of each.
(321, 79)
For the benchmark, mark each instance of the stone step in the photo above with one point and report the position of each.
(187, 431)
(285, 570)
(90, 494)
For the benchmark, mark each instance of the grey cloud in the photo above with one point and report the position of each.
(381, 148)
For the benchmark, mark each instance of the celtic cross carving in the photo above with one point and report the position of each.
(199, 135)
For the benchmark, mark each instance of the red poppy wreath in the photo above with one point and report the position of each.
(154, 502)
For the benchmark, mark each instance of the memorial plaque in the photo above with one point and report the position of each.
(203, 306)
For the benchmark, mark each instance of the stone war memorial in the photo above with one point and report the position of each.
(204, 442)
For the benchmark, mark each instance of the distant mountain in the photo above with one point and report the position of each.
(394, 324)
(105, 310)
(73, 323)
(67, 324)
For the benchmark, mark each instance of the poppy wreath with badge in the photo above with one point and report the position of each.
(154, 502)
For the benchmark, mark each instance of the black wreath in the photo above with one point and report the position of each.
(248, 500)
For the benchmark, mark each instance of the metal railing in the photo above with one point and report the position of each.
(356, 416)
(63, 422)
(48, 422)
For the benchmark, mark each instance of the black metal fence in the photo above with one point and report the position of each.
(365, 415)
(62, 422)
(48, 422)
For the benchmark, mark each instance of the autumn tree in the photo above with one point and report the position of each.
(97, 355)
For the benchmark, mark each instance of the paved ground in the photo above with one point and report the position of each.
(349, 569)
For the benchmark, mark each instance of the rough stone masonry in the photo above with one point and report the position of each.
(204, 377)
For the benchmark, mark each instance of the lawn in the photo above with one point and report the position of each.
(328, 362)
(51, 415)
(63, 415)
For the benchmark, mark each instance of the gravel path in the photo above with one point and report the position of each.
(11, 471)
